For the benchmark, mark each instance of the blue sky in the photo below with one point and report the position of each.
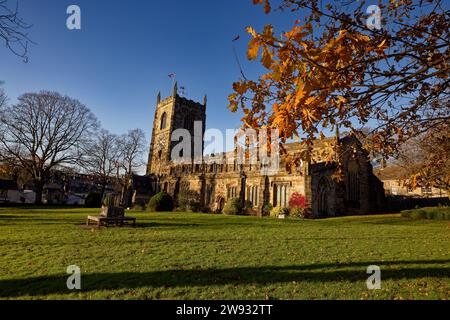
(125, 50)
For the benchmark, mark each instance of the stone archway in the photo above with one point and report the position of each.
(220, 203)
(323, 205)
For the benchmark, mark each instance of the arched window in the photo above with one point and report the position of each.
(323, 193)
(163, 121)
(280, 195)
(352, 184)
(252, 195)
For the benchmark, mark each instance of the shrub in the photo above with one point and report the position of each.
(233, 206)
(275, 212)
(248, 208)
(297, 200)
(298, 213)
(139, 206)
(436, 213)
(266, 209)
(161, 201)
(93, 200)
(188, 200)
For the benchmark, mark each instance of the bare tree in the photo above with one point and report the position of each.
(102, 158)
(13, 30)
(3, 97)
(132, 147)
(42, 131)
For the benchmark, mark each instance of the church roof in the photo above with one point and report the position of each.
(391, 172)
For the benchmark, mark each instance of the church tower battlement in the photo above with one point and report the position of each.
(172, 113)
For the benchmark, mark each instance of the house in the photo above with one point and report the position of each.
(53, 194)
(395, 180)
(9, 192)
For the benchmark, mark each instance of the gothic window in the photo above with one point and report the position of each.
(208, 194)
(231, 192)
(252, 195)
(280, 195)
(163, 121)
(352, 185)
(322, 197)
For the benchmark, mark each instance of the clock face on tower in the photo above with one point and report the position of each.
(161, 142)
(160, 146)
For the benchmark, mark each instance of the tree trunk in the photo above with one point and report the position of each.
(39, 186)
(103, 190)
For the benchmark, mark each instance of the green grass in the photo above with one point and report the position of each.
(199, 256)
(433, 213)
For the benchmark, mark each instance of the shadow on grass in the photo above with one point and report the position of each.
(353, 272)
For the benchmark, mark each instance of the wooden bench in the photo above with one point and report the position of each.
(111, 216)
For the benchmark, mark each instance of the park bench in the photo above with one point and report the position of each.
(111, 216)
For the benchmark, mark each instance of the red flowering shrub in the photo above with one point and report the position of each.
(297, 201)
(297, 205)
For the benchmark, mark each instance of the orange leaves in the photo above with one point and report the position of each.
(362, 37)
(266, 59)
(253, 49)
(240, 87)
(266, 4)
(258, 41)
(300, 94)
(251, 31)
(341, 99)
(297, 33)
(330, 70)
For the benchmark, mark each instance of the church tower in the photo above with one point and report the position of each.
(174, 112)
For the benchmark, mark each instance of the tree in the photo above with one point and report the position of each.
(336, 69)
(3, 97)
(131, 148)
(13, 30)
(43, 131)
(102, 158)
(425, 161)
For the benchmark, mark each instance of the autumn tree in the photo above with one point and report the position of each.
(336, 67)
(44, 131)
(13, 30)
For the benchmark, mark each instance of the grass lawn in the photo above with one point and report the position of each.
(200, 256)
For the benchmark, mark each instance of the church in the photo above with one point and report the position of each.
(359, 192)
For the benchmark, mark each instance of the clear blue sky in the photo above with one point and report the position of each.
(125, 50)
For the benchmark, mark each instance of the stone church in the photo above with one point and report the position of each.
(359, 192)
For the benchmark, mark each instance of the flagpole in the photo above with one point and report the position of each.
(172, 76)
